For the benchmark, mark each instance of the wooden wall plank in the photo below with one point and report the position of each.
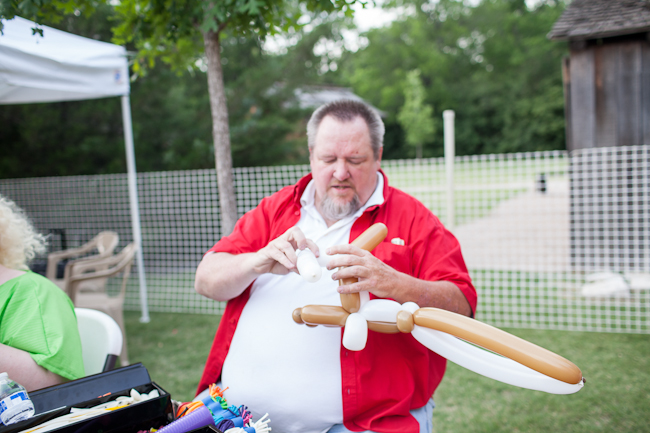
(645, 92)
(566, 81)
(606, 61)
(629, 94)
(583, 99)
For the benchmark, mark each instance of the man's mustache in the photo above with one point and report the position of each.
(341, 184)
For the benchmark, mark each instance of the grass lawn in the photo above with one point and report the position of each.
(173, 347)
(616, 398)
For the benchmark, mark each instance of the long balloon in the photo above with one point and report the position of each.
(367, 240)
(490, 364)
(508, 358)
(501, 356)
(500, 342)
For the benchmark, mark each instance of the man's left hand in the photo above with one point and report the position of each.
(374, 275)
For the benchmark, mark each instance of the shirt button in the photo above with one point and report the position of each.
(346, 353)
(348, 391)
(297, 212)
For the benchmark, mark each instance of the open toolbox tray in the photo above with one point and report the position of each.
(93, 390)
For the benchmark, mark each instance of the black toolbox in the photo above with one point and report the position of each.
(93, 390)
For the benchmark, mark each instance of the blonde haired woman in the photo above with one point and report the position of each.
(39, 340)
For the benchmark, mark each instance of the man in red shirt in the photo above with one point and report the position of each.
(309, 382)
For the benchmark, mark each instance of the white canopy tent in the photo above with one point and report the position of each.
(60, 66)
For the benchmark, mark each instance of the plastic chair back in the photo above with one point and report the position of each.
(101, 340)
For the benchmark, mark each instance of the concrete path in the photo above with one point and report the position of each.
(529, 232)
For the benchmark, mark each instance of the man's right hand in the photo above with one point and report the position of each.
(223, 276)
(279, 256)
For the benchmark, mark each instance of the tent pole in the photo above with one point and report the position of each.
(133, 201)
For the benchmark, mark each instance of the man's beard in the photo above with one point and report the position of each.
(333, 211)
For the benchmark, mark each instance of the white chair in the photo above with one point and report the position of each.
(101, 340)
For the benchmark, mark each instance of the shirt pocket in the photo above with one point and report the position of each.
(397, 257)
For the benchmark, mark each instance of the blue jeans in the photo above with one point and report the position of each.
(422, 415)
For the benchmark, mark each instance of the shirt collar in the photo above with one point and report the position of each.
(308, 197)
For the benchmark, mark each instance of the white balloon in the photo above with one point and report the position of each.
(411, 307)
(308, 266)
(490, 364)
(355, 334)
(364, 298)
(324, 259)
(380, 310)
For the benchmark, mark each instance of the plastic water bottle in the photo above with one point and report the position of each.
(15, 404)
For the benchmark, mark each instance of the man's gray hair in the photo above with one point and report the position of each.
(347, 110)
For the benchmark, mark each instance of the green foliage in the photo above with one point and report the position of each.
(415, 115)
(39, 11)
(313, 59)
(173, 29)
(491, 63)
(172, 123)
(264, 129)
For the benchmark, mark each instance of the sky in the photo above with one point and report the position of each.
(372, 16)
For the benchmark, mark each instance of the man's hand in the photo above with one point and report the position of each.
(223, 276)
(279, 256)
(383, 281)
(374, 275)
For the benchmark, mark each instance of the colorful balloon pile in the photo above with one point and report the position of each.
(214, 410)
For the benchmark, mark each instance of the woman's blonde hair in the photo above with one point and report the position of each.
(19, 240)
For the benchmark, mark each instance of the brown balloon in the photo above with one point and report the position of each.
(501, 342)
(367, 240)
(465, 328)
(383, 327)
(297, 316)
(328, 315)
(405, 322)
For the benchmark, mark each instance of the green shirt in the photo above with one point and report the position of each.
(38, 317)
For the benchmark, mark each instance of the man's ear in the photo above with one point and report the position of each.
(379, 154)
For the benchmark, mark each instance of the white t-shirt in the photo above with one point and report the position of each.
(296, 377)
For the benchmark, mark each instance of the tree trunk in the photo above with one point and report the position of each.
(220, 133)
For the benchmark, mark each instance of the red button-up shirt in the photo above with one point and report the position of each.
(394, 373)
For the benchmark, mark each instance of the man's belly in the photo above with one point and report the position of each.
(275, 366)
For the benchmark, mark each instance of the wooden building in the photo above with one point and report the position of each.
(607, 76)
(607, 109)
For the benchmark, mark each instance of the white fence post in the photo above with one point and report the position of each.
(450, 155)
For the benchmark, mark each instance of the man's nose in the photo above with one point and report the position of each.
(341, 171)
